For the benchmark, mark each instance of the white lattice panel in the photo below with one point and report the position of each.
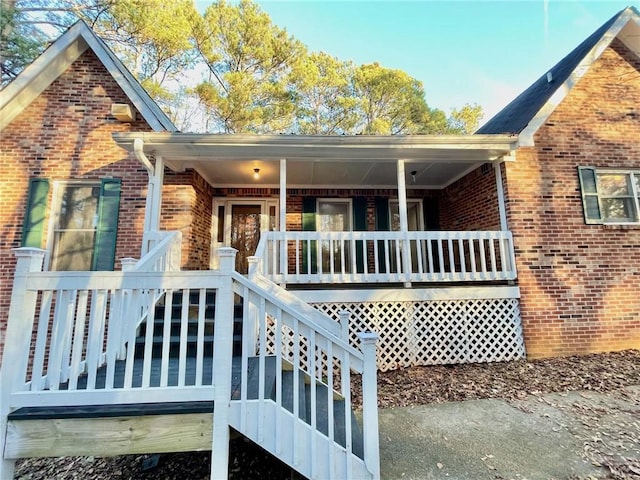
(437, 332)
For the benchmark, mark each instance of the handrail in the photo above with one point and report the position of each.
(164, 256)
(387, 257)
(286, 328)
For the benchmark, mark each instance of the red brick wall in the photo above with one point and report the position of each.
(66, 134)
(471, 203)
(579, 283)
(187, 200)
(295, 196)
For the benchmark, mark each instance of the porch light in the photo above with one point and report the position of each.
(413, 175)
(256, 173)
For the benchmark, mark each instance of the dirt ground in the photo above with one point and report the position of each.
(605, 443)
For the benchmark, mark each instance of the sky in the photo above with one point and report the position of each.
(483, 52)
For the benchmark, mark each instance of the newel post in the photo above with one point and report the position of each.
(222, 358)
(370, 403)
(128, 264)
(250, 331)
(345, 318)
(17, 341)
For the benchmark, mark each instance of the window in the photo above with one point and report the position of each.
(84, 225)
(334, 215)
(414, 215)
(610, 196)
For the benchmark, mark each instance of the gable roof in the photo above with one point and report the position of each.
(529, 110)
(16, 96)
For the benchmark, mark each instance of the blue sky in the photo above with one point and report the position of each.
(483, 52)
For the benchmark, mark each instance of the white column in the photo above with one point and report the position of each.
(404, 223)
(283, 215)
(501, 205)
(283, 195)
(222, 365)
(152, 206)
(402, 197)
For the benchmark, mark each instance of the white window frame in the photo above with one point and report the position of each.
(634, 196)
(347, 201)
(416, 201)
(58, 190)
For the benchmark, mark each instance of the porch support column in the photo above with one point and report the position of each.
(404, 222)
(283, 215)
(283, 195)
(402, 197)
(154, 196)
(506, 243)
(501, 205)
(152, 206)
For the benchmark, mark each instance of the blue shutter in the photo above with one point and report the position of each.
(589, 191)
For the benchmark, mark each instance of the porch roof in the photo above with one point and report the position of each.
(322, 161)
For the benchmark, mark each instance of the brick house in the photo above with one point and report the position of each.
(522, 239)
(572, 196)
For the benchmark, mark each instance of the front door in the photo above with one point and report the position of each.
(245, 233)
(239, 223)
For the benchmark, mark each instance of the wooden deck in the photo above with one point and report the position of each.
(158, 427)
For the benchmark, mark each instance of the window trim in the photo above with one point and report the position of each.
(635, 195)
(347, 201)
(417, 201)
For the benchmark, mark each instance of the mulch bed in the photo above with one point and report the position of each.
(412, 386)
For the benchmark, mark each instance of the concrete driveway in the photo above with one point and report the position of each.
(555, 436)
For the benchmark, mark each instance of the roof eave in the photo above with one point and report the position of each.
(179, 146)
(526, 136)
(43, 71)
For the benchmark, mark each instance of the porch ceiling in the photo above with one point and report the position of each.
(323, 161)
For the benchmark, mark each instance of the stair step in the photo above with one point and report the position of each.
(304, 393)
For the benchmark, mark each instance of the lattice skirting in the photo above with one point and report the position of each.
(437, 331)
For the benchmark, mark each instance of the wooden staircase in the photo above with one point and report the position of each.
(171, 361)
(183, 329)
(304, 399)
(143, 428)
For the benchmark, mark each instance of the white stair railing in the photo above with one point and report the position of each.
(64, 347)
(315, 438)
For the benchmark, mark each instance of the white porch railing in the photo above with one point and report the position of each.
(72, 339)
(387, 257)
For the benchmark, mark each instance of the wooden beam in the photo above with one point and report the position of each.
(109, 436)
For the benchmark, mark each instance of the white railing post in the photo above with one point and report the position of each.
(254, 267)
(370, 403)
(222, 363)
(17, 342)
(128, 264)
(345, 318)
(252, 340)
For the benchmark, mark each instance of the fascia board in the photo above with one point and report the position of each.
(526, 137)
(39, 75)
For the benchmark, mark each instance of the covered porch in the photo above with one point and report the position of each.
(345, 210)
